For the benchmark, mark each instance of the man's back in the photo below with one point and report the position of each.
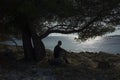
(57, 51)
(60, 52)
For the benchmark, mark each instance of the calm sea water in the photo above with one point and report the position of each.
(109, 43)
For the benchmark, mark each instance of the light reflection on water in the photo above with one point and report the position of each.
(106, 44)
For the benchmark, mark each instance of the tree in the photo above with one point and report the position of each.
(36, 19)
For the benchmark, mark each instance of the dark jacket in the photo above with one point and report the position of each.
(57, 51)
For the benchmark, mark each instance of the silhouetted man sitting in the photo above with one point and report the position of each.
(60, 52)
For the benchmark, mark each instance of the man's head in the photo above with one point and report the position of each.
(59, 43)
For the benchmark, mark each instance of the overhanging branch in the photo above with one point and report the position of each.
(98, 16)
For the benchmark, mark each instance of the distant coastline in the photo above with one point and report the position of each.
(107, 43)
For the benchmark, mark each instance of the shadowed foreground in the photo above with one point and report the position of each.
(83, 66)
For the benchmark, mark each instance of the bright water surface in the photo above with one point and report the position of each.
(109, 43)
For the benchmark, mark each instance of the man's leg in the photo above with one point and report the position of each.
(65, 58)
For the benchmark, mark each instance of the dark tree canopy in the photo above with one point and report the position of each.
(87, 17)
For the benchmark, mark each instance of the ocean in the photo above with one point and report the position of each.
(109, 43)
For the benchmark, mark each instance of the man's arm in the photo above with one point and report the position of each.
(65, 51)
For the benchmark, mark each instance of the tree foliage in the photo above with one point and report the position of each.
(86, 17)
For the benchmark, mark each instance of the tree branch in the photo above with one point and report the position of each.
(75, 31)
(98, 16)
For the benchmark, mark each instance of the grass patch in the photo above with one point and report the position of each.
(83, 65)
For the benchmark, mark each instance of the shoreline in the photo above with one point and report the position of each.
(20, 47)
(99, 44)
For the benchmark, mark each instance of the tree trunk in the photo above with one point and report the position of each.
(37, 51)
(27, 46)
(39, 47)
